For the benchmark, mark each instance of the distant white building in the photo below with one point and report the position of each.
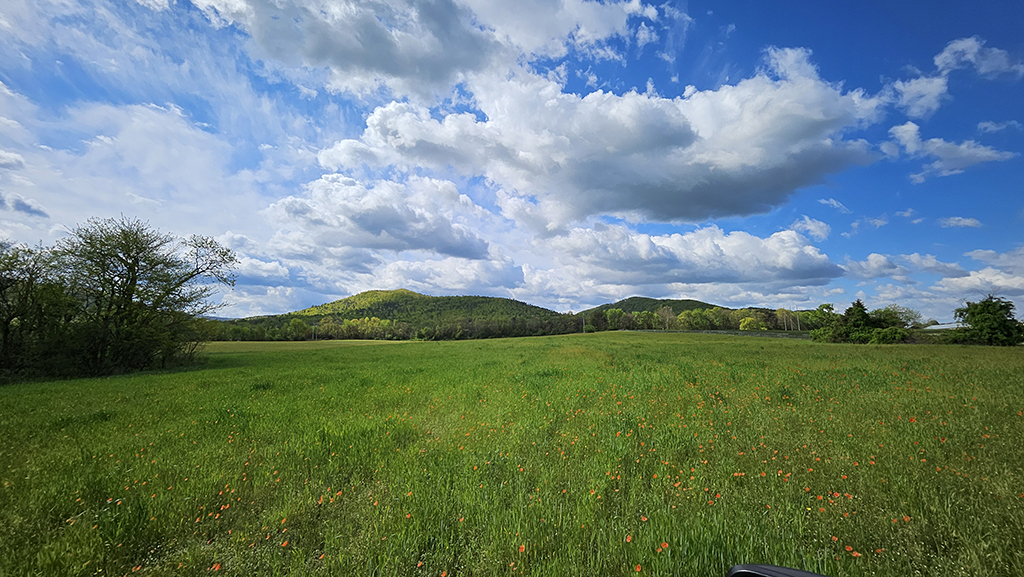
(943, 327)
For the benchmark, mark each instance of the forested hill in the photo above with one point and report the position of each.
(416, 309)
(640, 304)
(402, 314)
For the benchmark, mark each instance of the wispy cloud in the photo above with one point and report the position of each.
(835, 204)
(989, 126)
(950, 158)
(959, 222)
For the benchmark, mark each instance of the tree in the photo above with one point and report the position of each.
(21, 274)
(646, 320)
(667, 317)
(750, 324)
(614, 319)
(895, 316)
(989, 322)
(139, 291)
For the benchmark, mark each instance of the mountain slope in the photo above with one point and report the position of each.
(410, 307)
(638, 304)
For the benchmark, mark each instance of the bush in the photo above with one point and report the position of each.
(989, 322)
(889, 336)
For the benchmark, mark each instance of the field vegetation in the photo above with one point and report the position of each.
(607, 454)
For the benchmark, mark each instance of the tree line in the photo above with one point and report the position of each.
(329, 327)
(990, 321)
(113, 296)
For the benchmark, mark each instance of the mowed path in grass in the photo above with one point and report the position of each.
(606, 454)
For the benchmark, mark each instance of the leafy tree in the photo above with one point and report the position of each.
(750, 324)
(989, 321)
(628, 322)
(139, 291)
(614, 317)
(298, 330)
(646, 320)
(667, 318)
(21, 275)
(696, 320)
(895, 316)
(823, 316)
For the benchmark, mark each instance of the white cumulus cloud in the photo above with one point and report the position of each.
(559, 158)
(950, 158)
(971, 52)
(421, 214)
(818, 230)
(922, 96)
(877, 266)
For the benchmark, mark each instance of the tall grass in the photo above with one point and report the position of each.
(603, 454)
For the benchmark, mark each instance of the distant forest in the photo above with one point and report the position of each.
(403, 315)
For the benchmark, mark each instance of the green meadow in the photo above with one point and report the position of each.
(605, 454)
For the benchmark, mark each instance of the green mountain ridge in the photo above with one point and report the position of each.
(403, 305)
(639, 304)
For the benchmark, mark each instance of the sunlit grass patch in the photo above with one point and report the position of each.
(576, 455)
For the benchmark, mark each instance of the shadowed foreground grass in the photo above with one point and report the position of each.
(607, 454)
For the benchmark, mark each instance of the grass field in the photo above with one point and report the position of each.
(607, 454)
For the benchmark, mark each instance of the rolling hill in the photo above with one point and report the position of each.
(638, 304)
(417, 309)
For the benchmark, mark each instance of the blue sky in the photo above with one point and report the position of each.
(564, 153)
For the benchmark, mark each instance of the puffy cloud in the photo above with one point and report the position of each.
(420, 47)
(548, 27)
(834, 204)
(818, 230)
(645, 35)
(877, 266)
(922, 96)
(951, 158)
(403, 43)
(454, 276)
(737, 150)
(254, 271)
(982, 282)
(18, 203)
(971, 52)
(929, 263)
(1012, 261)
(338, 211)
(613, 254)
(11, 160)
(959, 222)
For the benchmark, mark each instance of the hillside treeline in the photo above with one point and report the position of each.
(402, 315)
(704, 318)
(113, 296)
(311, 327)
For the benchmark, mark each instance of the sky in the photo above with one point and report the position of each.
(565, 153)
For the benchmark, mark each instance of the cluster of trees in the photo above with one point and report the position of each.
(113, 296)
(886, 325)
(306, 327)
(697, 319)
(989, 321)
